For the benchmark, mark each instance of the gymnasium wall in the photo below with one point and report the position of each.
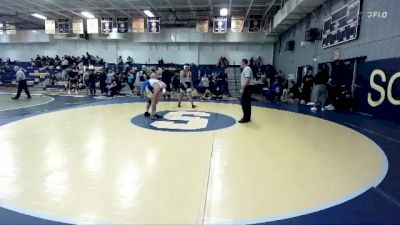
(173, 45)
(378, 38)
(377, 87)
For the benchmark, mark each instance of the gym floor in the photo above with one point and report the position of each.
(80, 160)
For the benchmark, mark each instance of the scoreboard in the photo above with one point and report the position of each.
(342, 25)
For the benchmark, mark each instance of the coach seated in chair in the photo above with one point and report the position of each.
(115, 87)
(275, 92)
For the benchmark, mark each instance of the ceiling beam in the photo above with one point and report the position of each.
(13, 17)
(31, 18)
(66, 9)
(191, 7)
(210, 4)
(249, 9)
(268, 9)
(118, 8)
(47, 8)
(173, 8)
(27, 10)
(229, 8)
(152, 7)
(135, 8)
(101, 9)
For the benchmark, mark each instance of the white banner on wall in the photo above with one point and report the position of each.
(202, 26)
(1, 28)
(92, 26)
(11, 29)
(50, 26)
(237, 23)
(138, 25)
(77, 26)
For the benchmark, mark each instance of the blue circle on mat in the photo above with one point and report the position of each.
(185, 121)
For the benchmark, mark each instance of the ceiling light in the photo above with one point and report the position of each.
(148, 13)
(223, 12)
(37, 15)
(87, 15)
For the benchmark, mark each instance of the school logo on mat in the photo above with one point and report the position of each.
(185, 121)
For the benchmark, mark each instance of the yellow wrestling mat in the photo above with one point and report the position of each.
(93, 164)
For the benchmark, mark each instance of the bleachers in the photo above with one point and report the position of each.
(36, 75)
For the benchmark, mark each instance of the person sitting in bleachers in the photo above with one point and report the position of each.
(223, 62)
(161, 62)
(120, 61)
(64, 63)
(32, 62)
(2, 73)
(129, 60)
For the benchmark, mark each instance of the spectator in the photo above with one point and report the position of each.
(110, 74)
(131, 80)
(166, 77)
(102, 78)
(320, 89)
(204, 84)
(161, 62)
(207, 95)
(276, 90)
(92, 82)
(64, 63)
(176, 81)
(222, 82)
(72, 77)
(129, 60)
(294, 91)
(306, 87)
(115, 86)
(259, 62)
(270, 72)
(120, 61)
(32, 62)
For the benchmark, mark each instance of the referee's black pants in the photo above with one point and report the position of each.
(245, 100)
(22, 85)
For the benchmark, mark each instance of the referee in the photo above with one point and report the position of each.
(246, 90)
(21, 80)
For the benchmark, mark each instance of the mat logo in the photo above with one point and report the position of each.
(192, 120)
(185, 121)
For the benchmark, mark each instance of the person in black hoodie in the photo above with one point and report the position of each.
(102, 78)
(320, 90)
(92, 82)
